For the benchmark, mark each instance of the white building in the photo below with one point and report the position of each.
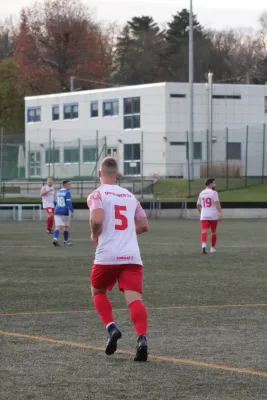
(145, 127)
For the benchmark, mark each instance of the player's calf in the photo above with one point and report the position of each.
(66, 237)
(104, 309)
(204, 241)
(138, 314)
(56, 236)
(213, 239)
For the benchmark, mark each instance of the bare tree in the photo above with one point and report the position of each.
(236, 55)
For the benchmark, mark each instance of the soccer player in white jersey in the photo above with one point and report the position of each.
(48, 198)
(116, 218)
(210, 210)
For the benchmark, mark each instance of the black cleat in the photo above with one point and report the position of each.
(114, 336)
(49, 231)
(55, 243)
(141, 349)
(204, 250)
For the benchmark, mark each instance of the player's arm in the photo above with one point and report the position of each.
(141, 222)
(199, 205)
(69, 203)
(95, 206)
(218, 204)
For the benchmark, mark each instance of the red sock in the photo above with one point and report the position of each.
(138, 315)
(50, 223)
(104, 308)
(203, 237)
(213, 239)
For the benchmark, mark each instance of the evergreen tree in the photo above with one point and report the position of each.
(138, 52)
(176, 57)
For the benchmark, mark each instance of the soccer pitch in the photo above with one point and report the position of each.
(207, 317)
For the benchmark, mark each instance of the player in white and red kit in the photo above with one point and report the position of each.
(209, 208)
(116, 218)
(48, 198)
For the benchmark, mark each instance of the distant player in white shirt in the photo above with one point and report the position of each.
(116, 218)
(48, 198)
(210, 210)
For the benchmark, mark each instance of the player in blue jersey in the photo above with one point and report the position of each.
(63, 212)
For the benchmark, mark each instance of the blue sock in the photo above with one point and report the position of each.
(56, 234)
(66, 235)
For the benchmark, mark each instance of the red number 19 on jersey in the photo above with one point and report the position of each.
(121, 217)
(207, 202)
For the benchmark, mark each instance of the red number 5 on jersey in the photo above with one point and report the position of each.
(121, 217)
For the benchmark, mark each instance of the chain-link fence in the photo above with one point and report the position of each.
(235, 157)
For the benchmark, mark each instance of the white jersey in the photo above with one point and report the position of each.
(49, 198)
(208, 199)
(117, 243)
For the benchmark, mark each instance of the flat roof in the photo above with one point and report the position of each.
(137, 87)
(92, 91)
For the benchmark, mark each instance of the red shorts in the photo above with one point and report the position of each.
(209, 225)
(50, 210)
(129, 277)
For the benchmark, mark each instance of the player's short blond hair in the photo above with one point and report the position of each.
(109, 167)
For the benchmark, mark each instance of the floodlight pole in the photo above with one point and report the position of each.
(1, 161)
(72, 87)
(191, 90)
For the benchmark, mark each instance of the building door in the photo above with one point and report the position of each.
(35, 164)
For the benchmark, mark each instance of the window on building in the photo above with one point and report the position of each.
(197, 151)
(71, 111)
(52, 156)
(55, 113)
(112, 152)
(178, 96)
(94, 109)
(265, 104)
(233, 151)
(110, 108)
(34, 114)
(132, 159)
(177, 143)
(132, 112)
(71, 155)
(226, 97)
(89, 154)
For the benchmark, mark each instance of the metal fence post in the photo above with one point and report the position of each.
(188, 164)
(226, 160)
(29, 159)
(54, 158)
(50, 153)
(106, 147)
(263, 152)
(79, 167)
(97, 155)
(207, 150)
(142, 165)
(246, 166)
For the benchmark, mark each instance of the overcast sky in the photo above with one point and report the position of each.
(212, 13)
